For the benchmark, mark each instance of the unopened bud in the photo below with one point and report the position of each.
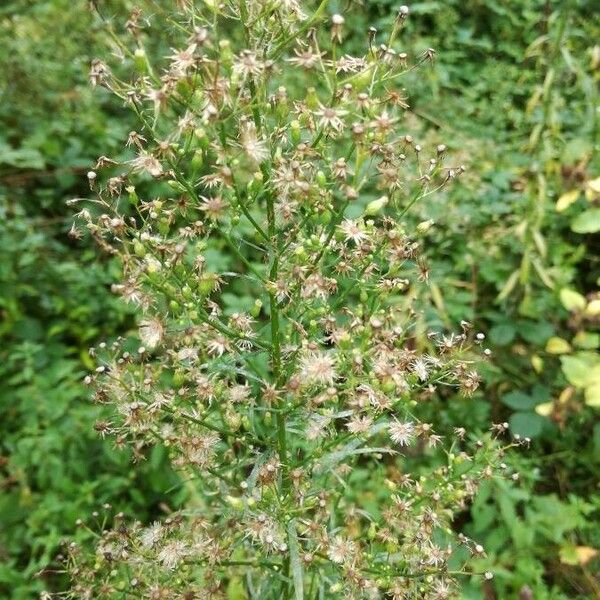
(376, 206)
(424, 226)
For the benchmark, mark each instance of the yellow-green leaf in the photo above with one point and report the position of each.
(509, 286)
(587, 222)
(566, 200)
(545, 409)
(593, 308)
(587, 340)
(537, 363)
(592, 395)
(594, 185)
(572, 300)
(577, 555)
(556, 345)
(581, 369)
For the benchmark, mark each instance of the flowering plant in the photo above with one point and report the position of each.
(270, 164)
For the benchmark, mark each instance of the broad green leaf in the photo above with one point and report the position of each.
(527, 424)
(587, 222)
(518, 400)
(535, 332)
(577, 149)
(502, 334)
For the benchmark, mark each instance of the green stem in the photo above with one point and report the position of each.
(276, 333)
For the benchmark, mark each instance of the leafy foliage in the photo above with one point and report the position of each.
(513, 89)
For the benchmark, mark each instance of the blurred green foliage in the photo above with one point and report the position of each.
(55, 299)
(513, 93)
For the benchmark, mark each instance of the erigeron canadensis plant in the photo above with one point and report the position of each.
(260, 228)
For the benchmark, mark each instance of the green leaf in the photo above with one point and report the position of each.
(535, 332)
(568, 555)
(236, 590)
(518, 400)
(587, 340)
(596, 438)
(576, 150)
(581, 369)
(587, 222)
(527, 424)
(501, 335)
(295, 562)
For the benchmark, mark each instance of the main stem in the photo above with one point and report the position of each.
(276, 333)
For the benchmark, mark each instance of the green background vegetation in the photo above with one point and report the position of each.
(513, 93)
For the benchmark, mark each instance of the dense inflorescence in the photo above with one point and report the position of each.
(295, 416)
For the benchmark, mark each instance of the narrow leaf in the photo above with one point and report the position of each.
(295, 562)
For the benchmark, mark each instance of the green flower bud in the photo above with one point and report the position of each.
(234, 502)
(139, 249)
(175, 185)
(325, 217)
(300, 252)
(207, 283)
(361, 81)
(202, 138)
(424, 226)
(141, 61)
(226, 54)
(164, 226)
(233, 419)
(388, 385)
(376, 206)
(321, 179)
(256, 308)
(178, 378)
(295, 132)
(256, 182)
(133, 197)
(312, 100)
(197, 160)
